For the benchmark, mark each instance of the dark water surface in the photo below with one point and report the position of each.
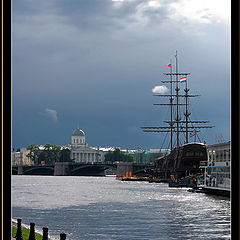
(92, 208)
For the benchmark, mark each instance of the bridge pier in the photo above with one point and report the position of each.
(20, 170)
(123, 168)
(61, 169)
(127, 169)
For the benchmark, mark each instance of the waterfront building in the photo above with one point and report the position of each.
(20, 157)
(217, 169)
(219, 154)
(81, 152)
(219, 163)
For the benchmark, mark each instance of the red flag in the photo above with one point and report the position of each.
(183, 79)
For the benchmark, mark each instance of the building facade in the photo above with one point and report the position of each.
(219, 154)
(21, 157)
(218, 172)
(81, 152)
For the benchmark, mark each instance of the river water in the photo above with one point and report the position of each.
(103, 208)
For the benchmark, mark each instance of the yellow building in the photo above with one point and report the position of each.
(20, 157)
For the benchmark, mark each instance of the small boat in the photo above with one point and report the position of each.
(129, 177)
(189, 181)
(134, 179)
(197, 190)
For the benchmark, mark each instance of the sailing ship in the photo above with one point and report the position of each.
(184, 158)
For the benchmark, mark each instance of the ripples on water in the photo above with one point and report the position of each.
(97, 208)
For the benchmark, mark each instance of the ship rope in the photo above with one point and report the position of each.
(168, 133)
(180, 141)
(175, 142)
(168, 147)
(164, 140)
(181, 126)
(197, 134)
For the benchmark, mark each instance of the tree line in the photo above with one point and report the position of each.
(117, 156)
(50, 154)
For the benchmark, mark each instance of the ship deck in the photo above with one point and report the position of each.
(216, 190)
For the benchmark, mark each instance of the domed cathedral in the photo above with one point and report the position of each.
(81, 152)
(78, 137)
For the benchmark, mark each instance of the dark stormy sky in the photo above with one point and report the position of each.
(93, 64)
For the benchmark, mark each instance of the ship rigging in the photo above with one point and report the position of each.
(176, 125)
(185, 158)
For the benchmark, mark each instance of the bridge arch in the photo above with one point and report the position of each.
(88, 170)
(39, 171)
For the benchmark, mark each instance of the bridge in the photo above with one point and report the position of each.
(79, 169)
(136, 169)
(63, 169)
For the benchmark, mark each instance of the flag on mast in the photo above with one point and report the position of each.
(193, 133)
(169, 65)
(183, 79)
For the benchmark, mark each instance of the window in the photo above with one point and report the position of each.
(200, 154)
(214, 155)
(189, 154)
(194, 153)
(224, 154)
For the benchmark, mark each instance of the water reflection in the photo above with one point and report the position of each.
(90, 208)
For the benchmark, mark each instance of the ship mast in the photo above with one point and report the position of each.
(174, 125)
(177, 99)
(171, 108)
(187, 113)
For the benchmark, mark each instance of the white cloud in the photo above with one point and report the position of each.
(154, 4)
(203, 11)
(160, 89)
(50, 113)
(177, 13)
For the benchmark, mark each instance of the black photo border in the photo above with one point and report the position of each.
(6, 119)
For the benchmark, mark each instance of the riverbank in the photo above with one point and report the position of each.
(25, 231)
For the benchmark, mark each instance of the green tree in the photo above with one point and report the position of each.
(42, 157)
(34, 153)
(117, 155)
(65, 155)
(128, 158)
(52, 153)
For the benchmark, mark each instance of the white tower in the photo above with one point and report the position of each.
(78, 137)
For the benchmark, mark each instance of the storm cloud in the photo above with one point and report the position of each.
(97, 61)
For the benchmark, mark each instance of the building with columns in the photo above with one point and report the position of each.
(81, 152)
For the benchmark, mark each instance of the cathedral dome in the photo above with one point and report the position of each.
(78, 132)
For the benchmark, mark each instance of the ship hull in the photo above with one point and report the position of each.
(181, 162)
